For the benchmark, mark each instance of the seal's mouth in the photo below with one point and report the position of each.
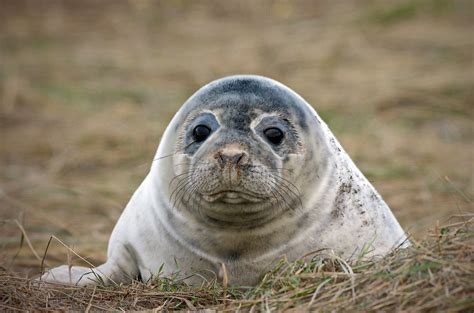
(233, 197)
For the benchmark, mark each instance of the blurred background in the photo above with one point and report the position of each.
(87, 88)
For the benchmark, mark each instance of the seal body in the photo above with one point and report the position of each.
(246, 173)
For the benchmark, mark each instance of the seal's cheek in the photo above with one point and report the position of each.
(294, 161)
(181, 163)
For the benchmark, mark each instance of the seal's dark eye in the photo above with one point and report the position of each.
(274, 135)
(201, 133)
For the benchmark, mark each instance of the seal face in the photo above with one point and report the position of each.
(245, 173)
(230, 157)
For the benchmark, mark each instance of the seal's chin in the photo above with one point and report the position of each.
(233, 197)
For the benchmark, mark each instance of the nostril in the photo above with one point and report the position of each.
(241, 158)
(220, 158)
(231, 159)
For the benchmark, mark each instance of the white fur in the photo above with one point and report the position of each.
(143, 239)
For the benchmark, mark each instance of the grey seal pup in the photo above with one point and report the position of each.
(246, 173)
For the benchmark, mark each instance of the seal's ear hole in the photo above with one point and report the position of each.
(201, 132)
(274, 135)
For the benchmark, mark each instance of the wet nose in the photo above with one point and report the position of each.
(234, 158)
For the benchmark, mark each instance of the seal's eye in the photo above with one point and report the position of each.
(201, 132)
(274, 135)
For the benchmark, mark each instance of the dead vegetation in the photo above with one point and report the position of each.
(435, 274)
(87, 88)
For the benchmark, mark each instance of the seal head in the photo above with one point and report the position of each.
(234, 152)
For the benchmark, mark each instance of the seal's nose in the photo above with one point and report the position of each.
(231, 158)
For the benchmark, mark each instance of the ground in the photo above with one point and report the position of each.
(87, 88)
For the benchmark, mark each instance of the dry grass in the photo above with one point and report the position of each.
(87, 88)
(436, 274)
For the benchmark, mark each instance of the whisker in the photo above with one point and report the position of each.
(171, 154)
(178, 187)
(192, 193)
(275, 190)
(184, 163)
(287, 189)
(276, 196)
(280, 168)
(177, 176)
(182, 191)
(197, 204)
(289, 182)
(188, 190)
(198, 162)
